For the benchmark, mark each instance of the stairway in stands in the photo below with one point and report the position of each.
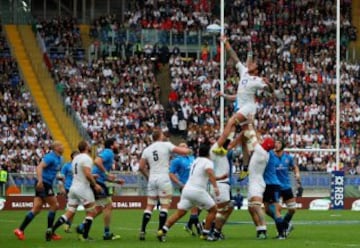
(85, 38)
(164, 81)
(30, 66)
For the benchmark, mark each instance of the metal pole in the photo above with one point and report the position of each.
(92, 6)
(123, 9)
(44, 5)
(84, 11)
(75, 3)
(222, 65)
(338, 83)
(59, 7)
(14, 10)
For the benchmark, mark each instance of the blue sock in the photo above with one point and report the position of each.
(106, 231)
(28, 218)
(280, 225)
(51, 218)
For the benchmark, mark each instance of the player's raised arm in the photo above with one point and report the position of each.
(182, 150)
(250, 57)
(230, 50)
(269, 85)
(227, 96)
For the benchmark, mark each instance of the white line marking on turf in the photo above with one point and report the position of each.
(314, 243)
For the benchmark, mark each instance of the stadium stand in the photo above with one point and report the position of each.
(24, 137)
(299, 59)
(293, 39)
(61, 38)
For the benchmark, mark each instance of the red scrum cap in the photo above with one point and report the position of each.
(268, 144)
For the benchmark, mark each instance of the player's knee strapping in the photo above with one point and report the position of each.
(252, 139)
(221, 212)
(72, 209)
(220, 215)
(91, 209)
(291, 205)
(227, 207)
(165, 200)
(151, 201)
(254, 204)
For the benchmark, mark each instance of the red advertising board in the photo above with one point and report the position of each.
(131, 202)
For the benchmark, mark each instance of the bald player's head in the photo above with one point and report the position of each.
(57, 147)
(183, 145)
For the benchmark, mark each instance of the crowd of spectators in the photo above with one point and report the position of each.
(116, 98)
(295, 40)
(24, 138)
(60, 37)
(177, 16)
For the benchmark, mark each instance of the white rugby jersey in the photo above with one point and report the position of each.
(79, 162)
(248, 86)
(157, 156)
(258, 162)
(221, 165)
(198, 177)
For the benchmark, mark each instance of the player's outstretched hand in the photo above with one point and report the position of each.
(111, 177)
(216, 191)
(98, 188)
(224, 38)
(40, 186)
(250, 118)
(219, 94)
(120, 181)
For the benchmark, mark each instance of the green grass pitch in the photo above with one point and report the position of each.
(312, 229)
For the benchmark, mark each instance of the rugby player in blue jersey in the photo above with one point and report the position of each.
(271, 197)
(46, 173)
(284, 163)
(103, 165)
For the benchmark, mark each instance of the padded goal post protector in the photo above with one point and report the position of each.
(337, 190)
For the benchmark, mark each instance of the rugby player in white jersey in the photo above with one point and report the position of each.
(154, 165)
(224, 204)
(256, 186)
(250, 83)
(195, 193)
(80, 192)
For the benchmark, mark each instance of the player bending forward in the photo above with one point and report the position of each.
(195, 194)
